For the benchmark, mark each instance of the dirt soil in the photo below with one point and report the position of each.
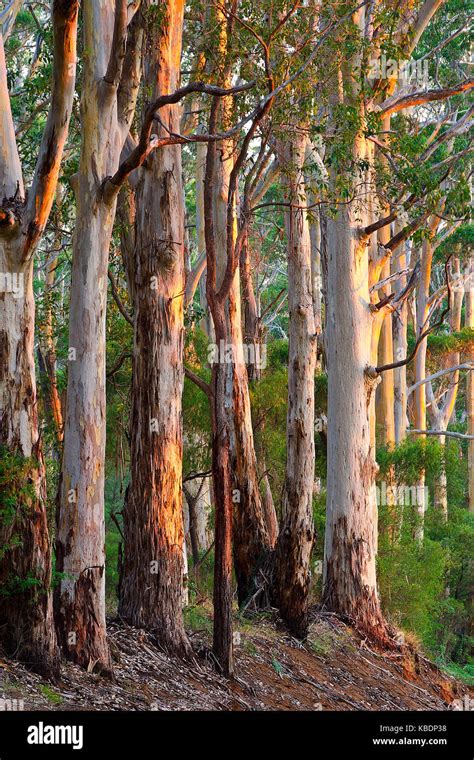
(334, 670)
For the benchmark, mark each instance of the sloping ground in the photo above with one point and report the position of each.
(335, 670)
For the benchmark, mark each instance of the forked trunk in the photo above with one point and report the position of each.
(80, 597)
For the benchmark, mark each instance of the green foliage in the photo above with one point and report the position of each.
(198, 619)
(114, 499)
(411, 579)
(52, 696)
(410, 459)
(427, 588)
(445, 343)
(16, 495)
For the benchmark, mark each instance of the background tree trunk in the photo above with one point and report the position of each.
(399, 332)
(295, 540)
(419, 411)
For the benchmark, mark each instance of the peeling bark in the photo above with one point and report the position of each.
(26, 622)
(153, 568)
(349, 579)
(80, 597)
(295, 540)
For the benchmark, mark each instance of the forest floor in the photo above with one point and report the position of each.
(336, 669)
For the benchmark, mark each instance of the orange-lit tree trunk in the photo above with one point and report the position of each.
(253, 340)
(251, 542)
(399, 332)
(349, 582)
(26, 624)
(46, 342)
(152, 578)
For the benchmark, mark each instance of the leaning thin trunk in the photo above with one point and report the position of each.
(253, 342)
(250, 536)
(47, 345)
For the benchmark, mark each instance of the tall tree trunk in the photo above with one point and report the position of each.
(440, 416)
(222, 480)
(253, 340)
(220, 427)
(385, 395)
(419, 412)
(349, 581)
(153, 567)
(107, 109)
(399, 331)
(295, 540)
(250, 536)
(350, 585)
(469, 321)
(26, 620)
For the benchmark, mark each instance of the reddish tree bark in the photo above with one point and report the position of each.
(152, 578)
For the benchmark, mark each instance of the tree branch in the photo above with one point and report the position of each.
(205, 387)
(118, 300)
(374, 371)
(469, 366)
(8, 17)
(118, 364)
(41, 195)
(148, 142)
(447, 433)
(119, 43)
(397, 103)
